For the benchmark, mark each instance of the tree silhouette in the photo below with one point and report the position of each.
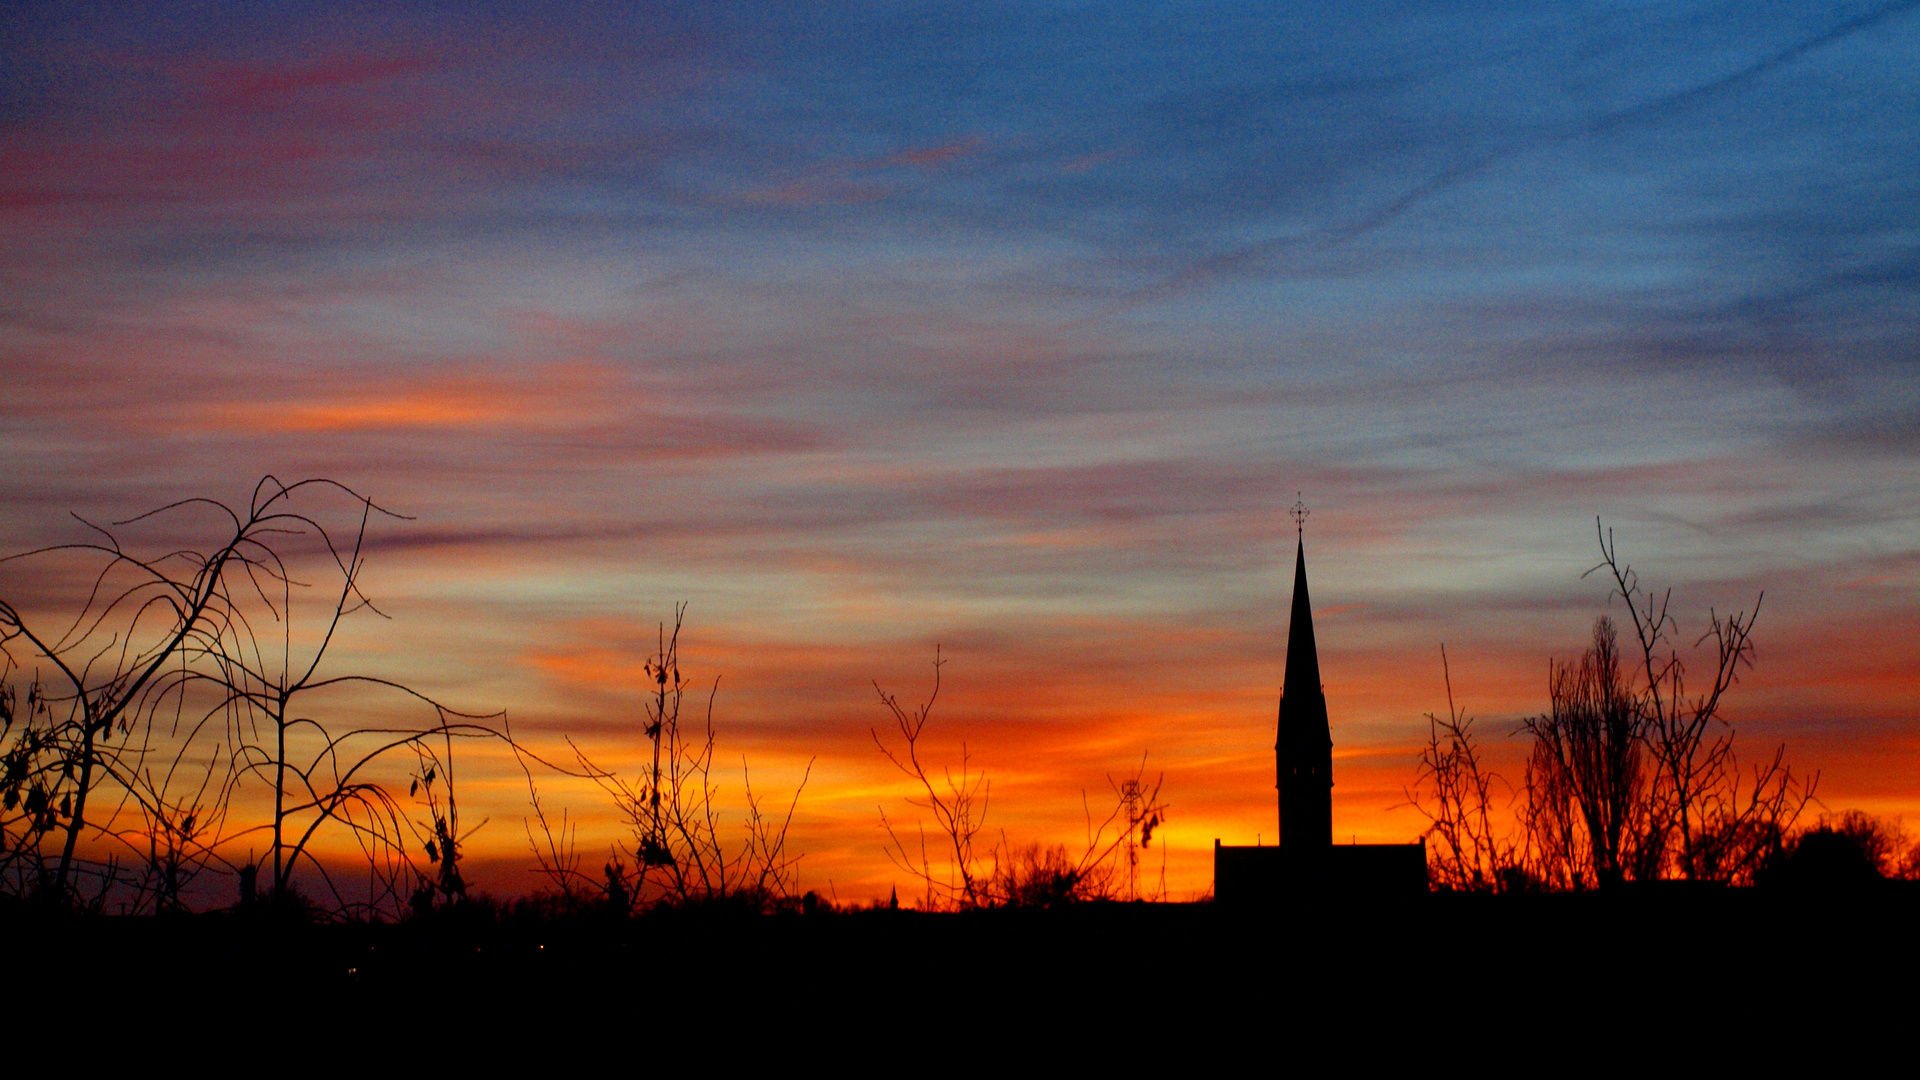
(187, 684)
(1587, 813)
(1454, 791)
(1031, 875)
(958, 807)
(1706, 819)
(674, 816)
(1629, 776)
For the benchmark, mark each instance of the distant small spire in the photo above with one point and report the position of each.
(1299, 514)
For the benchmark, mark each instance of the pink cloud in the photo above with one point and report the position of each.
(852, 180)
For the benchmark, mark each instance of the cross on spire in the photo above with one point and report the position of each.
(1299, 514)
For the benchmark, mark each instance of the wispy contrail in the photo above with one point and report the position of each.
(1333, 236)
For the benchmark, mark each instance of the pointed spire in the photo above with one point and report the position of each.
(1303, 746)
(1303, 658)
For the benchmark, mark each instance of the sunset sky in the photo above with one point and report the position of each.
(1011, 329)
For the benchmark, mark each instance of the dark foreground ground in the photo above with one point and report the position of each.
(1607, 973)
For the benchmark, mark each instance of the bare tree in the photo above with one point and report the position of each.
(1707, 819)
(183, 688)
(556, 849)
(32, 801)
(1107, 867)
(268, 667)
(1629, 776)
(440, 836)
(1454, 791)
(680, 855)
(115, 668)
(1588, 811)
(1044, 876)
(958, 806)
(1029, 875)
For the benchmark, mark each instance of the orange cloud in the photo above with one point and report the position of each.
(552, 394)
(424, 409)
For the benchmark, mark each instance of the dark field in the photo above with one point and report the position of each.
(1530, 968)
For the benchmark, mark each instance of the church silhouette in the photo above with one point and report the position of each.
(1307, 861)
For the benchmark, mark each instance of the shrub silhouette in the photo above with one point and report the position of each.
(1823, 858)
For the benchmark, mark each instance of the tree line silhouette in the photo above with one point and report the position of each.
(1632, 774)
(187, 724)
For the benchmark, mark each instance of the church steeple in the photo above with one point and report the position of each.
(1303, 748)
